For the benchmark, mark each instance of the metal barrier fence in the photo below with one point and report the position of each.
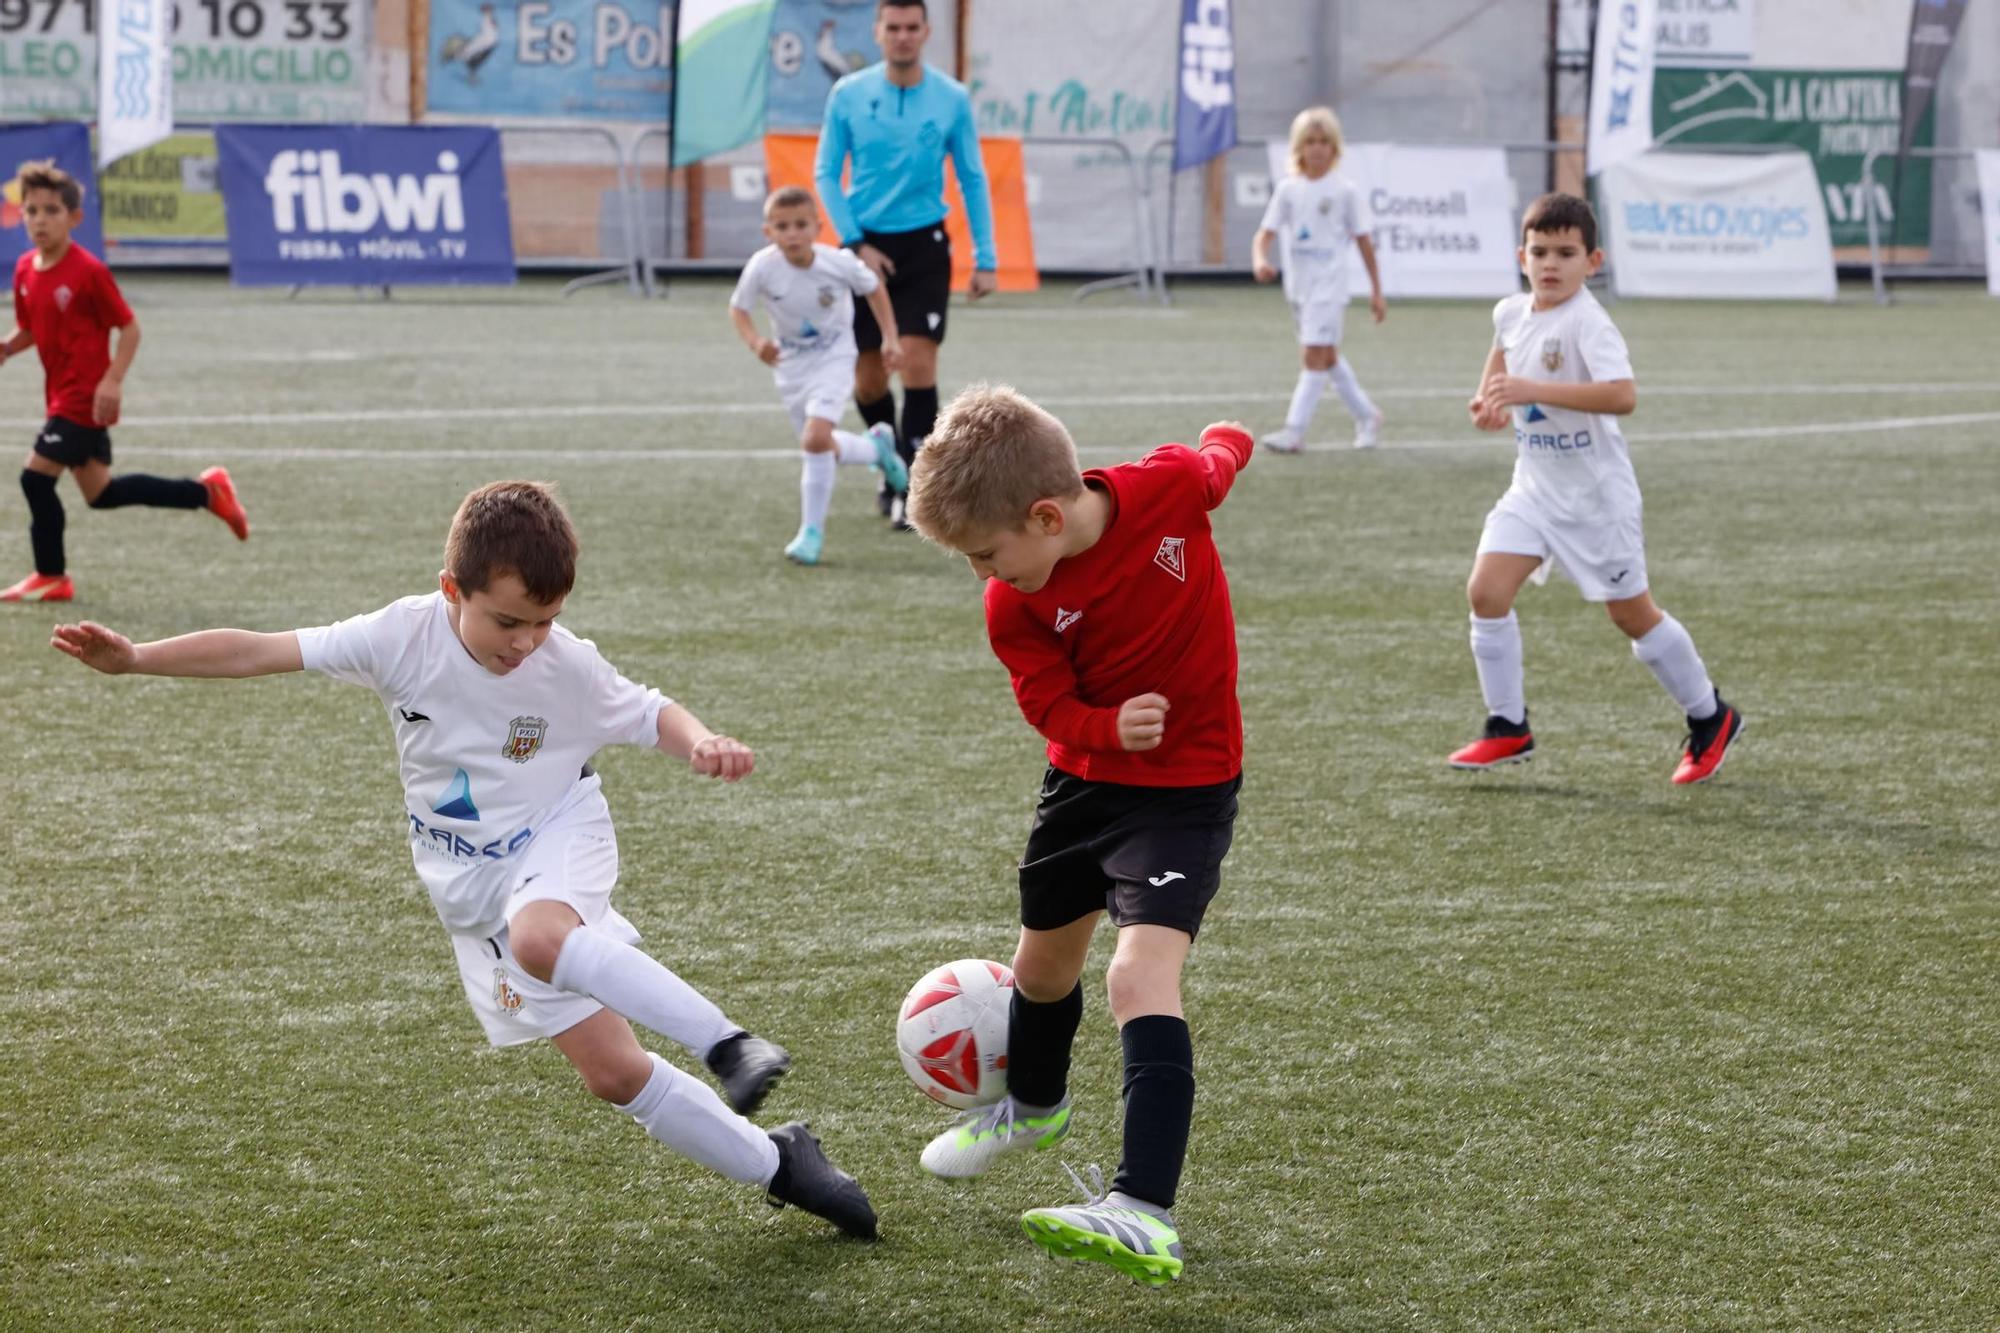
(548, 191)
(1871, 195)
(1144, 275)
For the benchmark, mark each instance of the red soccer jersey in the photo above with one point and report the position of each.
(70, 310)
(1144, 610)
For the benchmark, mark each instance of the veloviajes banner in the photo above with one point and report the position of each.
(135, 77)
(551, 59)
(232, 59)
(1734, 225)
(69, 146)
(1205, 111)
(1989, 214)
(1933, 28)
(723, 58)
(389, 205)
(1621, 83)
(1442, 219)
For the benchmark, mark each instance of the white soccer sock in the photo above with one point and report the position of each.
(1305, 401)
(685, 1114)
(852, 449)
(631, 983)
(1668, 651)
(1496, 651)
(815, 489)
(1350, 391)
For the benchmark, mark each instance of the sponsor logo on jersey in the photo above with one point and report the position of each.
(1552, 354)
(504, 994)
(1535, 413)
(1172, 557)
(411, 716)
(457, 802)
(1064, 619)
(524, 738)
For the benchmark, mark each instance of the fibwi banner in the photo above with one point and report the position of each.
(1717, 225)
(1621, 83)
(551, 59)
(722, 60)
(1205, 110)
(388, 205)
(135, 77)
(1989, 214)
(68, 145)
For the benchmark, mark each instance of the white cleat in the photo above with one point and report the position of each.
(985, 1134)
(1368, 433)
(1282, 442)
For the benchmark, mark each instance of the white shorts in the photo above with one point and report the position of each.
(573, 861)
(1320, 320)
(819, 385)
(1606, 561)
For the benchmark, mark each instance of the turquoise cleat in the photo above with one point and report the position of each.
(804, 548)
(886, 457)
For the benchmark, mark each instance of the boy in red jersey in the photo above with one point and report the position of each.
(65, 306)
(1106, 601)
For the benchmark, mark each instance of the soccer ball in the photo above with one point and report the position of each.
(952, 1032)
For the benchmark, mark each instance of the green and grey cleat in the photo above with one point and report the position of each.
(1137, 1239)
(985, 1134)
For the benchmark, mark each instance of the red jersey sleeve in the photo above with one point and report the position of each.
(1044, 680)
(107, 301)
(1225, 451)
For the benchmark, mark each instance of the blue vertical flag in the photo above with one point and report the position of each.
(1205, 110)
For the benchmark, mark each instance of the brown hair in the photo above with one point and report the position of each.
(1561, 212)
(513, 527)
(790, 196)
(990, 457)
(48, 176)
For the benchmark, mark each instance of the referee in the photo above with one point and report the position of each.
(897, 120)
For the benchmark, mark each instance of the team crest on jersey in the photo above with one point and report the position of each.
(1325, 207)
(505, 995)
(825, 298)
(1552, 354)
(524, 738)
(1172, 557)
(62, 299)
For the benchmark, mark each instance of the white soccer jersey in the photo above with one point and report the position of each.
(486, 760)
(1573, 465)
(1316, 222)
(812, 308)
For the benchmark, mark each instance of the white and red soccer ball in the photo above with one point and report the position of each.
(952, 1032)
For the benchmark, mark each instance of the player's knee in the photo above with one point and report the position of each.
(95, 499)
(1133, 988)
(617, 1081)
(1042, 980)
(536, 950)
(1486, 603)
(817, 438)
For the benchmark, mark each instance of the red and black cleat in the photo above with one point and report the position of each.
(222, 501)
(1504, 742)
(1709, 742)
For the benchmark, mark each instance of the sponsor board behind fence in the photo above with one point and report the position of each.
(69, 146)
(551, 59)
(1717, 225)
(1989, 214)
(351, 204)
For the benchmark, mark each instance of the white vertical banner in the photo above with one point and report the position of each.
(1989, 213)
(1621, 83)
(135, 76)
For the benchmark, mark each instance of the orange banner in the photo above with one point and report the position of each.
(788, 160)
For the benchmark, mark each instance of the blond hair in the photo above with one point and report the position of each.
(790, 196)
(990, 457)
(1322, 119)
(46, 175)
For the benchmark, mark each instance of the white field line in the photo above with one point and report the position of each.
(578, 411)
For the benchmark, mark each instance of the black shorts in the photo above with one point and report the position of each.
(919, 290)
(1147, 855)
(64, 441)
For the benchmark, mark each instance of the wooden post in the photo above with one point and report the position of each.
(420, 49)
(959, 46)
(692, 179)
(1214, 179)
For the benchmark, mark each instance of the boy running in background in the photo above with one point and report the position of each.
(1106, 601)
(809, 290)
(1316, 218)
(1559, 374)
(496, 712)
(66, 305)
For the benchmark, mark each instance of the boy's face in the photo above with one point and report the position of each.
(1556, 263)
(1024, 557)
(1316, 154)
(500, 625)
(48, 220)
(792, 230)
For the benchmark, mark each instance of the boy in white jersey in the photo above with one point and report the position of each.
(496, 712)
(1316, 218)
(1559, 374)
(809, 290)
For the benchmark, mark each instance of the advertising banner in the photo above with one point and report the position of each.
(1621, 83)
(1705, 32)
(552, 59)
(167, 192)
(1989, 214)
(813, 44)
(370, 206)
(1933, 29)
(135, 78)
(1205, 111)
(1717, 225)
(69, 146)
(232, 59)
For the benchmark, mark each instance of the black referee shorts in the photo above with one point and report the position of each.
(919, 290)
(1147, 855)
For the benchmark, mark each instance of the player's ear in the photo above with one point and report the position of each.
(1046, 517)
(448, 586)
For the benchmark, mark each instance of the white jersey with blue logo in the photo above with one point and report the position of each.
(812, 308)
(1573, 466)
(1316, 222)
(486, 760)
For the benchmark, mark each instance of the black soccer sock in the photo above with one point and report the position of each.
(920, 408)
(881, 412)
(1039, 1037)
(45, 521)
(139, 488)
(1159, 1105)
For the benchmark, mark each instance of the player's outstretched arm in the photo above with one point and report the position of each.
(232, 654)
(683, 736)
(1226, 448)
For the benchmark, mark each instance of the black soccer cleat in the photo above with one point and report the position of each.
(808, 1180)
(748, 1067)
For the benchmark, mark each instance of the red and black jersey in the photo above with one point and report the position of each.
(70, 309)
(1144, 611)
